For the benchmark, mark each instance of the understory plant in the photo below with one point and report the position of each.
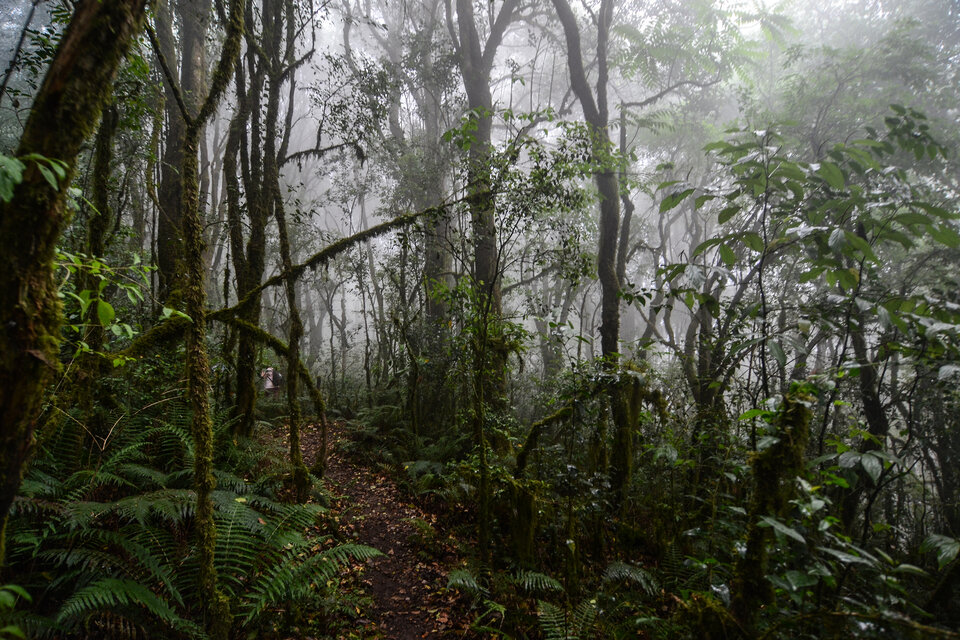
(104, 541)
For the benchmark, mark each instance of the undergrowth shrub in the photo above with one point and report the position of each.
(106, 548)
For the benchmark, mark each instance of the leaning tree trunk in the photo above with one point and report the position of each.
(64, 114)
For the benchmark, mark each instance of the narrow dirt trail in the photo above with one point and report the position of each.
(407, 583)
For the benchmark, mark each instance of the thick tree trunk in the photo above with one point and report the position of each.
(64, 114)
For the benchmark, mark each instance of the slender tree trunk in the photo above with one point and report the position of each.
(215, 605)
(169, 240)
(605, 176)
(88, 374)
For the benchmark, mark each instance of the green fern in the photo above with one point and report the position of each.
(559, 623)
(117, 536)
(463, 580)
(294, 580)
(632, 574)
(533, 582)
(111, 593)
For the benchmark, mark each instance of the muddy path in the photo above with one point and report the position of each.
(408, 584)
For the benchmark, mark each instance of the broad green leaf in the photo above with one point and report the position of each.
(674, 199)
(13, 630)
(861, 245)
(945, 546)
(701, 200)
(845, 558)
(872, 465)
(703, 246)
(776, 349)
(800, 579)
(784, 529)
(913, 218)
(49, 177)
(105, 312)
(940, 212)
(790, 170)
(727, 255)
(752, 240)
(910, 569)
(728, 212)
(832, 174)
(11, 174)
(946, 235)
(838, 239)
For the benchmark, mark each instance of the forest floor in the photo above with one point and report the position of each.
(406, 588)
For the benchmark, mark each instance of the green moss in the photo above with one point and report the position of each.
(774, 471)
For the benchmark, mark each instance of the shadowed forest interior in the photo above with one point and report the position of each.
(560, 319)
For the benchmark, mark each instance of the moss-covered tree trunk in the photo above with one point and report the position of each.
(216, 609)
(774, 473)
(271, 175)
(248, 263)
(194, 18)
(64, 114)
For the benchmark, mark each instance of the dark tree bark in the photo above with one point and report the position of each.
(64, 114)
(194, 17)
(87, 383)
(775, 470)
(595, 113)
(476, 62)
(280, 68)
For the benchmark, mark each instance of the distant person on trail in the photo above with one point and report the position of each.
(269, 381)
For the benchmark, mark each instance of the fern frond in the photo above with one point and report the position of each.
(584, 616)
(294, 581)
(173, 506)
(38, 484)
(148, 563)
(636, 576)
(112, 593)
(553, 622)
(534, 582)
(95, 560)
(342, 554)
(144, 476)
(463, 580)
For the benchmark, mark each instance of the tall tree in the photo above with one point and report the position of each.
(194, 295)
(64, 114)
(605, 174)
(476, 59)
(191, 60)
